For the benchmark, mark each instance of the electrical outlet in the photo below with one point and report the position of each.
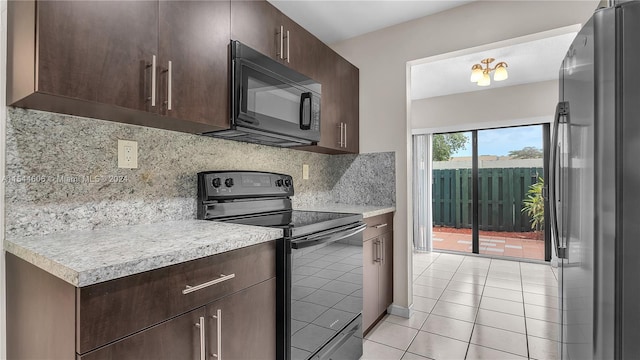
(127, 154)
(305, 172)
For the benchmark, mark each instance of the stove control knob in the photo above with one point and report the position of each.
(287, 182)
(279, 182)
(228, 182)
(216, 182)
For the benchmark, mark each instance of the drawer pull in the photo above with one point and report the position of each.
(280, 34)
(380, 226)
(203, 339)
(218, 317)
(190, 289)
(153, 80)
(288, 47)
(169, 86)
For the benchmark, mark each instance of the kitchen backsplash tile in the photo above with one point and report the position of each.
(369, 179)
(61, 173)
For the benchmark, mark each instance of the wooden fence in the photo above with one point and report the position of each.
(501, 192)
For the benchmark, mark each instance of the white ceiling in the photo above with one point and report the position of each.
(529, 62)
(336, 20)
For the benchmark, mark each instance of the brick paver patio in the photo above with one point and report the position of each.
(490, 245)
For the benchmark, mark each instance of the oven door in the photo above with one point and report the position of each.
(326, 294)
(269, 102)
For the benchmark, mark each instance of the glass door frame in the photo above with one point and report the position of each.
(475, 226)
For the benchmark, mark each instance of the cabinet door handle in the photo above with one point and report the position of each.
(218, 317)
(376, 243)
(169, 86)
(153, 80)
(345, 135)
(280, 33)
(382, 251)
(190, 289)
(340, 142)
(288, 51)
(380, 226)
(200, 325)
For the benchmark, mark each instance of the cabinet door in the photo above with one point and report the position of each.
(178, 338)
(98, 51)
(255, 23)
(243, 325)
(349, 104)
(370, 270)
(386, 272)
(194, 37)
(302, 50)
(329, 111)
(340, 104)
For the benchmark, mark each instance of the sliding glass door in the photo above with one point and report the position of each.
(488, 192)
(452, 192)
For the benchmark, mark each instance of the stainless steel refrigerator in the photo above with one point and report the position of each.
(595, 188)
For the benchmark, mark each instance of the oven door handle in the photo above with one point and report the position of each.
(311, 241)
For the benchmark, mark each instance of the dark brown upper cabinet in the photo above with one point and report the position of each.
(165, 64)
(194, 56)
(110, 60)
(349, 79)
(93, 51)
(264, 28)
(340, 105)
(257, 24)
(301, 50)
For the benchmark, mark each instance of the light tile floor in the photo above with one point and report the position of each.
(468, 307)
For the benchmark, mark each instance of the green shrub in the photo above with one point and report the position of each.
(534, 205)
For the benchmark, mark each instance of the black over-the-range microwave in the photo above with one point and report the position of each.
(271, 104)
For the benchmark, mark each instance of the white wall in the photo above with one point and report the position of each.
(492, 105)
(382, 57)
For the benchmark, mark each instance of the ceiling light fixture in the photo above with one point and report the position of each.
(480, 75)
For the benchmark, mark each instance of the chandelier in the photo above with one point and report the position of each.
(480, 75)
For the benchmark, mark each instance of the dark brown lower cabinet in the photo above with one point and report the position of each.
(377, 268)
(245, 323)
(238, 326)
(178, 338)
(148, 315)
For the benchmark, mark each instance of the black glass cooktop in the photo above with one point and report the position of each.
(298, 223)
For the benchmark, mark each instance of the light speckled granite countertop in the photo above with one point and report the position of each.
(366, 211)
(83, 258)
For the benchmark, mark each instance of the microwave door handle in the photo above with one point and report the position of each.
(305, 98)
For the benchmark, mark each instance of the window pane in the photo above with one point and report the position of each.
(452, 192)
(510, 203)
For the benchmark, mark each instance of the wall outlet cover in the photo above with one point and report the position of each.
(305, 172)
(127, 154)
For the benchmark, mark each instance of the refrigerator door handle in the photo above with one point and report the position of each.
(562, 110)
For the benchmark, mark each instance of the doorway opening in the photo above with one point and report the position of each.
(488, 192)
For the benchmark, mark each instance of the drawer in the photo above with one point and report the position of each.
(377, 225)
(111, 310)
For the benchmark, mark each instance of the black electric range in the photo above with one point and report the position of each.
(319, 264)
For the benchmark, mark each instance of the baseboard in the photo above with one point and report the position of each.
(401, 311)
